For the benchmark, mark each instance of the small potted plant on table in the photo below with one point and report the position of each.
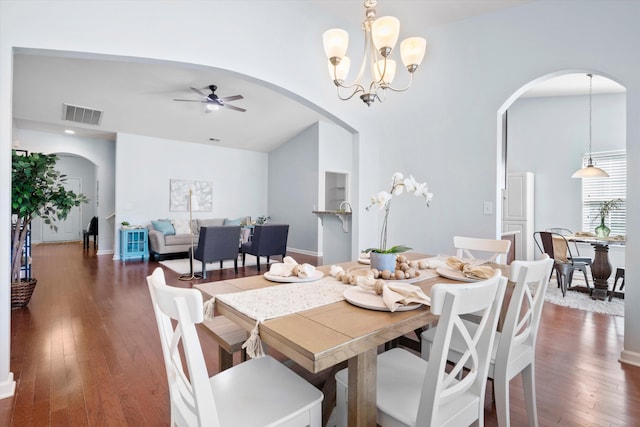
(605, 208)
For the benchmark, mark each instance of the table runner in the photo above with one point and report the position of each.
(276, 301)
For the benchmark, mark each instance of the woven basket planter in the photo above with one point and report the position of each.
(21, 292)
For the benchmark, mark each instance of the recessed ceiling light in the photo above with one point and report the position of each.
(69, 131)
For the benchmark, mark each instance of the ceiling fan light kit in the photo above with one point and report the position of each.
(380, 37)
(214, 102)
(590, 171)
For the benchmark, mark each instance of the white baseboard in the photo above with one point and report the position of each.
(304, 252)
(7, 387)
(630, 357)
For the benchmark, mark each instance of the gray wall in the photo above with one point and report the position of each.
(335, 155)
(293, 189)
(548, 136)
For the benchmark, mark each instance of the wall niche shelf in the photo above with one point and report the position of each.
(342, 215)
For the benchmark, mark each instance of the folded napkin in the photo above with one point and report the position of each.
(470, 270)
(433, 262)
(290, 267)
(393, 294)
(336, 271)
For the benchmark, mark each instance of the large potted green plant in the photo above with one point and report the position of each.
(37, 189)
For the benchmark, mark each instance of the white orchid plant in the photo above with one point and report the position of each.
(383, 201)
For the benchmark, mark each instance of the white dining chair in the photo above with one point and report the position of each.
(489, 250)
(413, 392)
(259, 392)
(514, 347)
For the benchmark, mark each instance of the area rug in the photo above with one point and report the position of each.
(181, 266)
(582, 301)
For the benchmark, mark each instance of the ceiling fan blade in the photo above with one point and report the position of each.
(199, 92)
(233, 107)
(231, 98)
(190, 100)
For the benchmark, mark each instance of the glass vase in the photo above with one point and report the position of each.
(602, 230)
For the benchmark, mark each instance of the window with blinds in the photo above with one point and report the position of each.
(597, 190)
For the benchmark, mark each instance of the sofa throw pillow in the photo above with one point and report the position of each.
(181, 226)
(237, 221)
(210, 222)
(164, 226)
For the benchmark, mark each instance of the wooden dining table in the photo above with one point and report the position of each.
(327, 336)
(601, 267)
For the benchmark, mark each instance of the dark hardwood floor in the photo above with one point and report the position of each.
(86, 352)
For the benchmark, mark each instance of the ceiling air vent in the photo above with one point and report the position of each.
(74, 113)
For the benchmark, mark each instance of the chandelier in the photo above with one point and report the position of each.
(380, 37)
(590, 171)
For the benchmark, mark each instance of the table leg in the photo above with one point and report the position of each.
(362, 389)
(600, 270)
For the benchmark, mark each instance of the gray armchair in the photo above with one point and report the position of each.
(268, 240)
(218, 243)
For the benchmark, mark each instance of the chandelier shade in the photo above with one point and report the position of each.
(335, 43)
(380, 38)
(590, 171)
(385, 32)
(412, 51)
(385, 71)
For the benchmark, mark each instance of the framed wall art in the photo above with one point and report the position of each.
(201, 195)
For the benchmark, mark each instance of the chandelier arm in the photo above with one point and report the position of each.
(336, 42)
(354, 93)
(403, 89)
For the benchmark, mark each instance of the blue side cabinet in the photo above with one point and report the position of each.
(134, 244)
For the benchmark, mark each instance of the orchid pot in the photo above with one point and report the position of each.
(383, 201)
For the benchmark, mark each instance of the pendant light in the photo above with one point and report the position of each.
(590, 171)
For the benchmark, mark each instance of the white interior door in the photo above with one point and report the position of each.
(69, 229)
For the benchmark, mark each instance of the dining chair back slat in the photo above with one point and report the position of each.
(491, 250)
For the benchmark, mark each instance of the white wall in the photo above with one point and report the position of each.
(146, 165)
(80, 168)
(548, 136)
(101, 153)
(444, 130)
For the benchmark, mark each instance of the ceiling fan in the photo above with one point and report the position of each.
(213, 101)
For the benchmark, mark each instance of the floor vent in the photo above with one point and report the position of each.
(74, 113)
